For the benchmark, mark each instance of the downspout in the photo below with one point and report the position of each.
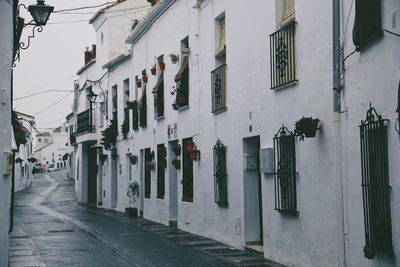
(336, 40)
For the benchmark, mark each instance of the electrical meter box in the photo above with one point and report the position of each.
(267, 160)
(8, 163)
(250, 162)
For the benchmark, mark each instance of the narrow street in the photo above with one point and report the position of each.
(51, 229)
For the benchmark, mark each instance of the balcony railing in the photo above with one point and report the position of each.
(218, 88)
(85, 122)
(283, 56)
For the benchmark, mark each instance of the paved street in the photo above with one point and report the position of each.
(53, 230)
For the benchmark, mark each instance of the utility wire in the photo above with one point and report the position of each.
(393, 33)
(84, 7)
(40, 93)
(52, 105)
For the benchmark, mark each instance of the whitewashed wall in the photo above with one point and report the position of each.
(6, 46)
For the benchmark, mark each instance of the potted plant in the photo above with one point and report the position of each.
(109, 135)
(163, 163)
(306, 127)
(174, 58)
(185, 51)
(162, 66)
(144, 76)
(129, 104)
(150, 165)
(133, 159)
(176, 163)
(177, 149)
(189, 146)
(19, 160)
(153, 70)
(139, 83)
(103, 158)
(132, 193)
(125, 128)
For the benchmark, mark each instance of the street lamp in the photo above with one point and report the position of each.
(40, 12)
(92, 97)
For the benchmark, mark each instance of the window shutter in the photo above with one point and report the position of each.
(367, 23)
(288, 12)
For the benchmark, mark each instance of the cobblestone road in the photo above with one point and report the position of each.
(53, 230)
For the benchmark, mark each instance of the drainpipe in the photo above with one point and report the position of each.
(340, 206)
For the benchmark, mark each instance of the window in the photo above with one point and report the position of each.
(135, 116)
(220, 36)
(181, 90)
(282, 46)
(142, 105)
(114, 93)
(220, 174)
(367, 23)
(158, 90)
(102, 108)
(187, 179)
(375, 185)
(285, 171)
(218, 76)
(161, 165)
(147, 173)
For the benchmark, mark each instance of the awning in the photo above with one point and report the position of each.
(159, 83)
(183, 67)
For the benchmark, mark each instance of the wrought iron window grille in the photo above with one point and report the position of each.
(161, 165)
(283, 56)
(218, 88)
(135, 116)
(375, 184)
(220, 174)
(85, 122)
(285, 171)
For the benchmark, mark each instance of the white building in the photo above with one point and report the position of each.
(243, 175)
(23, 158)
(52, 148)
(6, 55)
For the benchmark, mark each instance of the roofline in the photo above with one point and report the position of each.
(24, 114)
(85, 67)
(101, 11)
(43, 147)
(146, 23)
(119, 59)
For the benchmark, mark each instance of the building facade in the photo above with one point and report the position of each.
(24, 160)
(222, 113)
(6, 55)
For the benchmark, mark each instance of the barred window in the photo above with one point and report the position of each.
(375, 184)
(142, 105)
(285, 171)
(135, 116)
(161, 165)
(220, 174)
(367, 22)
(147, 173)
(218, 88)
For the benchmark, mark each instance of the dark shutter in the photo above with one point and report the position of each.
(367, 23)
(220, 174)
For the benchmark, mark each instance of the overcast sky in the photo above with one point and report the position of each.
(52, 60)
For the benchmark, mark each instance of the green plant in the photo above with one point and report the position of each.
(176, 163)
(110, 135)
(125, 128)
(21, 134)
(306, 127)
(130, 104)
(133, 191)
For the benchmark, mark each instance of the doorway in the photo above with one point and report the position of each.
(92, 177)
(173, 185)
(114, 178)
(141, 182)
(252, 192)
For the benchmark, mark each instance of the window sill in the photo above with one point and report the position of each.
(183, 108)
(160, 197)
(216, 112)
(284, 86)
(160, 118)
(187, 199)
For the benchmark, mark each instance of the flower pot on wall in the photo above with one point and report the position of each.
(150, 166)
(306, 127)
(139, 83)
(176, 163)
(174, 58)
(133, 159)
(177, 149)
(145, 79)
(162, 66)
(153, 70)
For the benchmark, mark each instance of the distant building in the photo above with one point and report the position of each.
(51, 148)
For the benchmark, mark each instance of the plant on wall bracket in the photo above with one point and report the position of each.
(109, 135)
(306, 127)
(125, 128)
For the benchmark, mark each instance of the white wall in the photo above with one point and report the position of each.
(6, 45)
